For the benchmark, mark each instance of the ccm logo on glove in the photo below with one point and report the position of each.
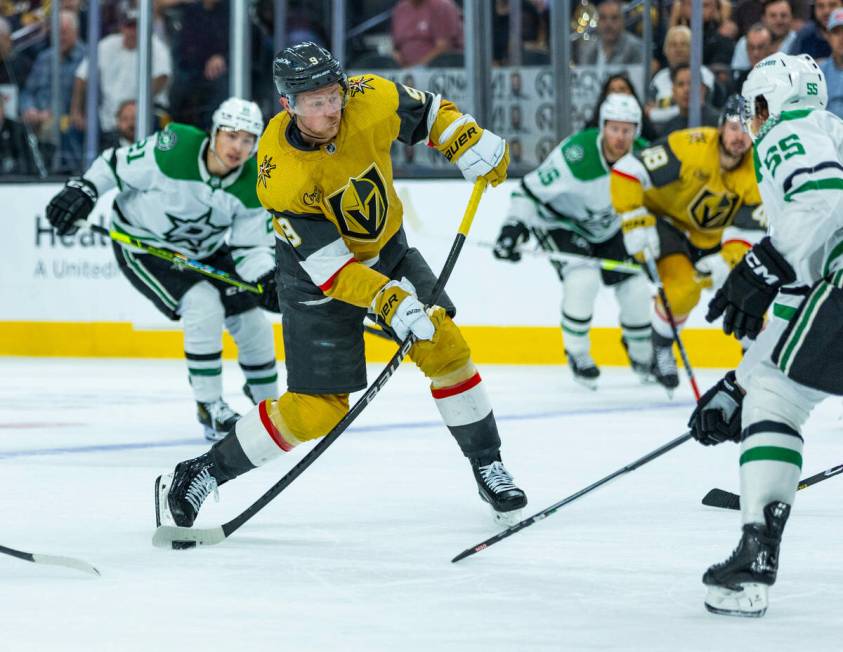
(460, 142)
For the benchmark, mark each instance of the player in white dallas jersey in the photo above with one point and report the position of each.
(185, 192)
(565, 205)
(796, 361)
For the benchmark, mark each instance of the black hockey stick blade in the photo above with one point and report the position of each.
(723, 499)
(51, 560)
(649, 457)
(167, 535)
(728, 500)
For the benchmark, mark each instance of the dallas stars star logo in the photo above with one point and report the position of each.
(360, 85)
(192, 232)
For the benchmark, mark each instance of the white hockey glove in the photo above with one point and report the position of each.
(639, 233)
(477, 152)
(715, 266)
(397, 304)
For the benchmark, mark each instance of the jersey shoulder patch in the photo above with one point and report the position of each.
(582, 156)
(177, 149)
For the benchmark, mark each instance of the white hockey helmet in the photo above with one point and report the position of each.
(786, 82)
(237, 114)
(623, 108)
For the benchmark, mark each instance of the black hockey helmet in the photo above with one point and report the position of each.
(305, 67)
(731, 110)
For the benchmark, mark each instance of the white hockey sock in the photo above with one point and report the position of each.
(575, 334)
(466, 410)
(252, 332)
(579, 289)
(205, 373)
(258, 436)
(771, 460)
(202, 315)
(661, 325)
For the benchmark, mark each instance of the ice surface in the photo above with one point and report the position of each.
(355, 554)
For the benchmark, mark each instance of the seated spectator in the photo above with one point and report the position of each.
(117, 60)
(15, 153)
(124, 132)
(717, 47)
(613, 44)
(619, 83)
(746, 14)
(424, 29)
(758, 44)
(535, 18)
(36, 98)
(813, 38)
(677, 51)
(778, 19)
(681, 78)
(200, 60)
(833, 66)
(13, 67)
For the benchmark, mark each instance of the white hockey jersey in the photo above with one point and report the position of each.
(799, 168)
(570, 190)
(168, 199)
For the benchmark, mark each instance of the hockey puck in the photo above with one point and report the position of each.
(183, 545)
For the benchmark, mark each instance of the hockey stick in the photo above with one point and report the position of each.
(165, 535)
(649, 457)
(653, 272)
(728, 500)
(608, 264)
(66, 562)
(179, 260)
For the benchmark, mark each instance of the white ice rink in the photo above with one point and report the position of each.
(355, 554)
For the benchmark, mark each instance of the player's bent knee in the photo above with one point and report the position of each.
(447, 355)
(310, 416)
(680, 283)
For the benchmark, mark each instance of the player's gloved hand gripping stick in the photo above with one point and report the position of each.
(165, 535)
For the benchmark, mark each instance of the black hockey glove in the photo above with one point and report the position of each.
(750, 289)
(717, 417)
(511, 237)
(72, 205)
(268, 299)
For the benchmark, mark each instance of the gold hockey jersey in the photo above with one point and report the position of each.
(680, 179)
(336, 213)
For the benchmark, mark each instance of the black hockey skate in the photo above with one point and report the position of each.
(739, 585)
(644, 370)
(664, 364)
(179, 495)
(496, 487)
(217, 418)
(582, 366)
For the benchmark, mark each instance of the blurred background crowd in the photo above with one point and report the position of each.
(46, 111)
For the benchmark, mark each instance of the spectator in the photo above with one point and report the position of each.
(13, 67)
(677, 51)
(36, 99)
(833, 66)
(613, 45)
(717, 47)
(124, 133)
(15, 154)
(424, 29)
(758, 43)
(619, 83)
(778, 19)
(813, 38)
(681, 78)
(535, 17)
(746, 14)
(200, 60)
(117, 59)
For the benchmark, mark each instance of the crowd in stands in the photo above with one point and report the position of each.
(190, 59)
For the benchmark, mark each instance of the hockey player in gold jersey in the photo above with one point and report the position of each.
(325, 173)
(675, 200)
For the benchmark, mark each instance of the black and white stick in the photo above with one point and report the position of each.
(166, 535)
(649, 457)
(51, 560)
(728, 500)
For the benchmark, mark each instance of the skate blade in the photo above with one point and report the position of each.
(590, 383)
(213, 435)
(749, 602)
(162, 486)
(507, 519)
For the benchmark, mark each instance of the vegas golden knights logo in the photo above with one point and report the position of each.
(710, 210)
(361, 206)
